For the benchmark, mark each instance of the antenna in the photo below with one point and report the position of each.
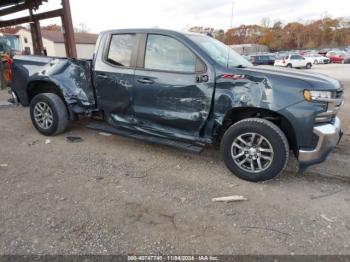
(231, 25)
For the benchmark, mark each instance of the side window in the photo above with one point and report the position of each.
(166, 53)
(120, 49)
(294, 57)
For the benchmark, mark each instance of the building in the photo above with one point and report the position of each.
(53, 42)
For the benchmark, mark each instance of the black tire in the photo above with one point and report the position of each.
(308, 66)
(58, 110)
(289, 66)
(272, 133)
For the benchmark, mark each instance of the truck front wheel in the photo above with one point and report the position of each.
(255, 149)
(49, 114)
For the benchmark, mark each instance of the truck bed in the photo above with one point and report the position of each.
(71, 76)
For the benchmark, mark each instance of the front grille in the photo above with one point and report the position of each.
(333, 106)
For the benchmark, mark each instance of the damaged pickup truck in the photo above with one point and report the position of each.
(187, 91)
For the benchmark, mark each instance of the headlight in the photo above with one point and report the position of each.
(329, 102)
(317, 95)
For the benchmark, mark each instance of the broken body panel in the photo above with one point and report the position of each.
(180, 105)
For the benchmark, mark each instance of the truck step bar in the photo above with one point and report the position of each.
(101, 126)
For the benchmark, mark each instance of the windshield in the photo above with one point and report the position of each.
(12, 41)
(220, 52)
(4, 47)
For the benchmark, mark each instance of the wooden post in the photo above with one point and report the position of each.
(36, 38)
(36, 35)
(68, 30)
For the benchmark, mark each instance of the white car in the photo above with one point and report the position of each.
(294, 61)
(318, 59)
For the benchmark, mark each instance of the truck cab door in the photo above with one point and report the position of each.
(114, 78)
(173, 87)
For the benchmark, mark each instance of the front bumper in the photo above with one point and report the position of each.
(329, 136)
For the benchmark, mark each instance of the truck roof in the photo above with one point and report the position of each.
(148, 31)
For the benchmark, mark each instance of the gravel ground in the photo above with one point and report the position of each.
(112, 195)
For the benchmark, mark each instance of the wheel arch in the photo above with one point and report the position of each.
(237, 114)
(41, 86)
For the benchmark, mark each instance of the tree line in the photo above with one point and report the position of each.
(321, 33)
(81, 28)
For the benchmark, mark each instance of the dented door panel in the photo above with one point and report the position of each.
(114, 94)
(172, 100)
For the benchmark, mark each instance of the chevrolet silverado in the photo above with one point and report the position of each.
(188, 91)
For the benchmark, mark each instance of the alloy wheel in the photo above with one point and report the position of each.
(252, 152)
(43, 115)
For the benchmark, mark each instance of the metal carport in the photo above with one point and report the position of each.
(8, 7)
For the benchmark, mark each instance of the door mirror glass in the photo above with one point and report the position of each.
(168, 54)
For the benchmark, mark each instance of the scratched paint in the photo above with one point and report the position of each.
(175, 105)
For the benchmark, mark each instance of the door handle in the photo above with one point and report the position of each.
(145, 81)
(102, 76)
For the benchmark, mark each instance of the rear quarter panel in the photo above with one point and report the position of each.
(71, 76)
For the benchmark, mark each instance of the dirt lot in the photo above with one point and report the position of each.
(116, 195)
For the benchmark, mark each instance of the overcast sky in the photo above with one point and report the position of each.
(183, 14)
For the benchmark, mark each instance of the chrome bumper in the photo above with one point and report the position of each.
(329, 136)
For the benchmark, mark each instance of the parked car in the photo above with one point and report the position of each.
(186, 90)
(293, 61)
(317, 58)
(262, 59)
(338, 57)
(324, 52)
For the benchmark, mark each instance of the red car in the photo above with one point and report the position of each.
(338, 57)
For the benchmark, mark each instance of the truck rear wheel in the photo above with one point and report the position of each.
(255, 149)
(49, 114)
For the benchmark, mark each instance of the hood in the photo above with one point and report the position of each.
(315, 80)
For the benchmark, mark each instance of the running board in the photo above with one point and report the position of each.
(196, 149)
